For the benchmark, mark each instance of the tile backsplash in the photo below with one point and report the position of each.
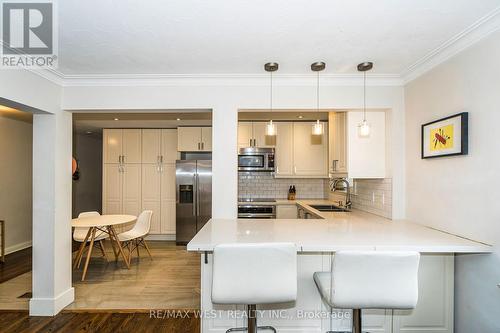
(264, 185)
(370, 195)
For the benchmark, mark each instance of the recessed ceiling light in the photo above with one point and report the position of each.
(178, 119)
(117, 119)
(300, 117)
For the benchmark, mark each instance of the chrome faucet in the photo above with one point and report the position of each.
(348, 203)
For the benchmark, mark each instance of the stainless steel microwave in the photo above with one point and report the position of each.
(256, 159)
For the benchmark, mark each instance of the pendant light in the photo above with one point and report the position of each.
(317, 67)
(364, 126)
(271, 67)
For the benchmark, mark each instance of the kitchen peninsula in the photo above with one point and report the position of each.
(316, 241)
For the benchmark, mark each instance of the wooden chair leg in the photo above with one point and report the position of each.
(137, 248)
(147, 247)
(91, 245)
(79, 255)
(101, 245)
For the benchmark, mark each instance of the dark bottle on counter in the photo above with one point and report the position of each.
(291, 192)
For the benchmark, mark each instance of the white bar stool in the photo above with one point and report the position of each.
(370, 280)
(254, 273)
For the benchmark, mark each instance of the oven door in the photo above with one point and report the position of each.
(256, 211)
(251, 162)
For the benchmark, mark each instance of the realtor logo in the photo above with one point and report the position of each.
(28, 34)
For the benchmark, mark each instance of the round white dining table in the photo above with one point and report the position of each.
(100, 223)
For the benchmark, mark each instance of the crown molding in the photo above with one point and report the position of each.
(473, 34)
(224, 80)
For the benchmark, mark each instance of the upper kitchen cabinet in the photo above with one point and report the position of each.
(159, 146)
(337, 129)
(366, 156)
(284, 150)
(351, 155)
(122, 146)
(194, 139)
(253, 134)
(299, 153)
(310, 152)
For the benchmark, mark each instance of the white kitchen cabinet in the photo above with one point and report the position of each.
(191, 139)
(168, 199)
(310, 152)
(151, 145)
(151, 190)
(245, 134)
(366, 155)
(130, 188)
(169, 151)
(434, 311)
(122, 145)
(112, 189)
(159, 146)
(284, 150)
(206, 138)
(122, 190)
(337, 129)
(131, 176)
(286, 212)
(253, 134)
(158, 178)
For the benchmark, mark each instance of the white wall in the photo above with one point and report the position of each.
(16, 135)
(225, 100)
(460, 194)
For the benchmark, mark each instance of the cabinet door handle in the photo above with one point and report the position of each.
(335, 165)
(199, 146)
(123, 159)
(294, 169)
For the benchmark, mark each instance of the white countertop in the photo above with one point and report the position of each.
(355, 230)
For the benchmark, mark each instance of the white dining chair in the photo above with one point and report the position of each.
(134, 238)
(79, 235)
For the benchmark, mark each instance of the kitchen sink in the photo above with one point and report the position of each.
(329, 208)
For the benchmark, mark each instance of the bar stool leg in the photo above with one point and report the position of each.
(251, 322)
(356, 321)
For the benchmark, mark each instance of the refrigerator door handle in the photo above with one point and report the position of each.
(195, 195)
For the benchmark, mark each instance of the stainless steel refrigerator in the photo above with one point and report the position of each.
(193, 198)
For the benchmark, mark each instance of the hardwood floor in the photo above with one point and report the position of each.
(170, 281)
(16, 264)
(102, 322)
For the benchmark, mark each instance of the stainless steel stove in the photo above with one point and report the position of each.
(256, 208)
(256, 200)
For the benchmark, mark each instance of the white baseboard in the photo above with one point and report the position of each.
(51, 306)
(17, 247)
(164, 237)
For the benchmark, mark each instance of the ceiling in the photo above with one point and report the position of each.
(11, 113)
(107, 37)
(91, 123)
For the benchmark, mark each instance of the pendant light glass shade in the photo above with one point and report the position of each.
(270, 128)
(364, 129)
(271, 67)
(364, 126)
(317, 128)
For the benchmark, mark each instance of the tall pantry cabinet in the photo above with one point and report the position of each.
(139, 174)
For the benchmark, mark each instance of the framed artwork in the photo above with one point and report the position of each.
(446, 137)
